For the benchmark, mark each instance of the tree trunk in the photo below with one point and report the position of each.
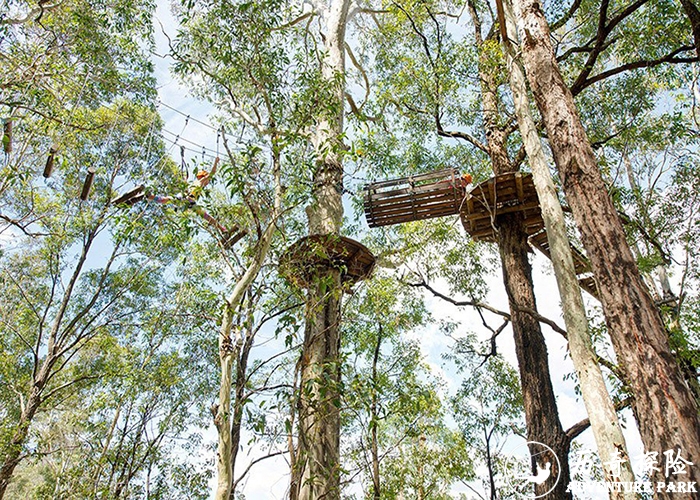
(316, 473)
(12, 455)
(490, 464)
(239, 399)
(318, 461)
(228, 351)
(665, 410)
(599, 406)
(222, 418)
(541, 414)
(374, 422)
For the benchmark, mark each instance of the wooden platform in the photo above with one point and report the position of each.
(412, 198)
(503, 194)
(308, 257)
(515, 192)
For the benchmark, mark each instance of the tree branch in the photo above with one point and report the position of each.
(18, 224)
(565, 18)
(256, 461)
(577, 429)
(459, 303)
(669, 58)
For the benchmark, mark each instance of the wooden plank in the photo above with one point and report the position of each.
(588, 284)
(407, 217)
(85, 192)
(437, 187)
(411, 204)
(504, 210)
(437, 174)
(419, 198)
(410, 217)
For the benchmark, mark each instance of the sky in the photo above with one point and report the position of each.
(269, 479)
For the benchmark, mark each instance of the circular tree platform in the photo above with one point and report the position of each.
(306, 259)
(502, 194)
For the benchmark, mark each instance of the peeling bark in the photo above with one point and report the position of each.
(664, 407)
(541, 413)
(316, 471)
(599, 405)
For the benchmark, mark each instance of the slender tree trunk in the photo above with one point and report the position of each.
(599, 405)
(374, 422)
(663, 405)
(222, 419)
(239, 399)
(541, 414)
(489, 464)
(317, 465)
(12, 455)
(229, 352)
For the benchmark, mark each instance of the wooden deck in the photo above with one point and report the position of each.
(412, 198)
(503, 194)
(308, 257)
(515, 192)
(442, 193)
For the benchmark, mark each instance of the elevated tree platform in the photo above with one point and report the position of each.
(308, 257)
(444, 193)
(416, 197)
(503, 194)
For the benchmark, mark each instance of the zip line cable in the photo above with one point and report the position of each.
(187, 116)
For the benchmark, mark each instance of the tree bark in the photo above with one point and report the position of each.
(222, 418)
(12, 455)
(239, 399)
(229, 352)
(374, 423)
(541, 414)
(691, 10)
(599, 405)
(665, 410)
(318, 461)
(316, 472)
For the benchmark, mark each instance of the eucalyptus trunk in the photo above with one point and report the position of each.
(599, 405)
(316, 471)
(12, 455)
(541, 413)
(230, 344)
(222, 416)
(663, 405)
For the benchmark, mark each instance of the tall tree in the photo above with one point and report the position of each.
(268, 73)
(72, 295)
(599, 405)
(316, 466)
(665, 410)
(538, 395)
